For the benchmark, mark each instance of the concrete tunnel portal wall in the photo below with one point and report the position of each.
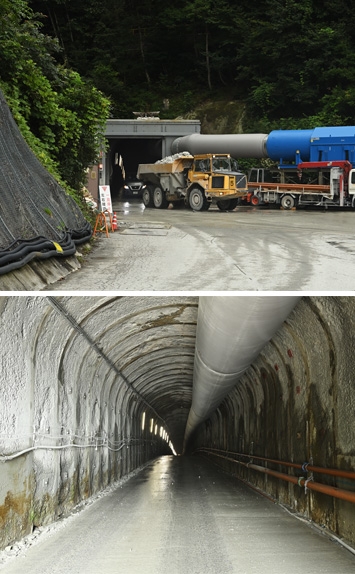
(94, 387)
(140, 141)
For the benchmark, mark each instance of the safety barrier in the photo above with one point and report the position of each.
(105, 221)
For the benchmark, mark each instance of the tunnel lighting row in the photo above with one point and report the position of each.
(153, 428)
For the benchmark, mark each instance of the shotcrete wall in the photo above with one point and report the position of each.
(68, 415)
(297, 404)
(68, 410)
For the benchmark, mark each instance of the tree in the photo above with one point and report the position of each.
(61, 116)
(284, 58)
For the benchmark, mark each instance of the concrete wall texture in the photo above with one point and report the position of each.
(80, 376)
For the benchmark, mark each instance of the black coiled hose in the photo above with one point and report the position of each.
(21, 251)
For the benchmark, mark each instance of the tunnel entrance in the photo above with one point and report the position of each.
(132, 142)
(126, 154)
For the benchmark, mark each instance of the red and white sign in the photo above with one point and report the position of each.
(105, 198)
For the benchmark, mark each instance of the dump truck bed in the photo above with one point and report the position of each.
(176, 166)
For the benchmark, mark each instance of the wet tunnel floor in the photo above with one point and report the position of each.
(181, 515)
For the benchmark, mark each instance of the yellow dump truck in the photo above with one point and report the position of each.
(195, 180)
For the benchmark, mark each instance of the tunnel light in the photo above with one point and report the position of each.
(151, 425)
(143, 421)
(156, 429)
(172, 448)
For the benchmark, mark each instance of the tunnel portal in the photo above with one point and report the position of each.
(94, 387)
(143, 140)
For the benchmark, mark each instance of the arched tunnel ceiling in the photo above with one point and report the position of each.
(94, 356)
(150, 341)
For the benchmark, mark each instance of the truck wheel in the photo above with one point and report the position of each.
(198, 200)
(159, 199)
(227, 204)
(287, 202)
(147, 197)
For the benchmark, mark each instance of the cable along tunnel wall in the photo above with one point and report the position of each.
(59, 390)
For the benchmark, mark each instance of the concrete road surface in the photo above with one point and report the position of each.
(182, 515)
(249, 249)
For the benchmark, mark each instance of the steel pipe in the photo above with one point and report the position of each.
(306, 467)
(231, 332)
(301, 481)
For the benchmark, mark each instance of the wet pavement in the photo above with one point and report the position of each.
(249, 249)
(182, 514)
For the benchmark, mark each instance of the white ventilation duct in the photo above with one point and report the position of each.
(231, 332)
(237, 145)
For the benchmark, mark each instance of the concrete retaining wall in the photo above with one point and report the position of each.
(36, 275)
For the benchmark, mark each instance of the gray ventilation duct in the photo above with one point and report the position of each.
(231, 332)
(237, 145)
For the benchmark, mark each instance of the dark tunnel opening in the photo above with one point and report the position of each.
(124, 156)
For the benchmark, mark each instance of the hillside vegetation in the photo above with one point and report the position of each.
(61, 115)
(292, 62)
(67, 65)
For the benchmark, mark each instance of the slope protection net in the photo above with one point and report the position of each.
(38, 219)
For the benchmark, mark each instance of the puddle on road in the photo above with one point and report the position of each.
(344, 245)
(131, 228)
(144, 232)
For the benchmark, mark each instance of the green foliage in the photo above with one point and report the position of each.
(286, 59)
(61, 116)
(293, 63)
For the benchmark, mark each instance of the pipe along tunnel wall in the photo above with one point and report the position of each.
(80, 376)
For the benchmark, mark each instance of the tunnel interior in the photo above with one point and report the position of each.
(124, 156)
(94, 387)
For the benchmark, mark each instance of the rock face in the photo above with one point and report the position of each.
(219, 117)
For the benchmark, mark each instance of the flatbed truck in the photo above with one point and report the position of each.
(335, 186)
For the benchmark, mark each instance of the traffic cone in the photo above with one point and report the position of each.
(114, 222)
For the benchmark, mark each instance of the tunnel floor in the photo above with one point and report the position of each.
(181, 514)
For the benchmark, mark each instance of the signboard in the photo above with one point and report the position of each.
(105, 198)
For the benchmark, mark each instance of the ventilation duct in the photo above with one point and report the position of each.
(231, 332)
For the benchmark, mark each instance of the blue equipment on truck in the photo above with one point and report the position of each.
(327, 179)
(320, 144)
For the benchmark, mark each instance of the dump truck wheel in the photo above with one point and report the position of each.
(227, 204)
(287, 202)
(147, 197)
(159, 199)
(198, 200)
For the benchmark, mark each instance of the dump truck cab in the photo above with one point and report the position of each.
(215, 177)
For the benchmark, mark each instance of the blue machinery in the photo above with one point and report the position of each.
(288, 147)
